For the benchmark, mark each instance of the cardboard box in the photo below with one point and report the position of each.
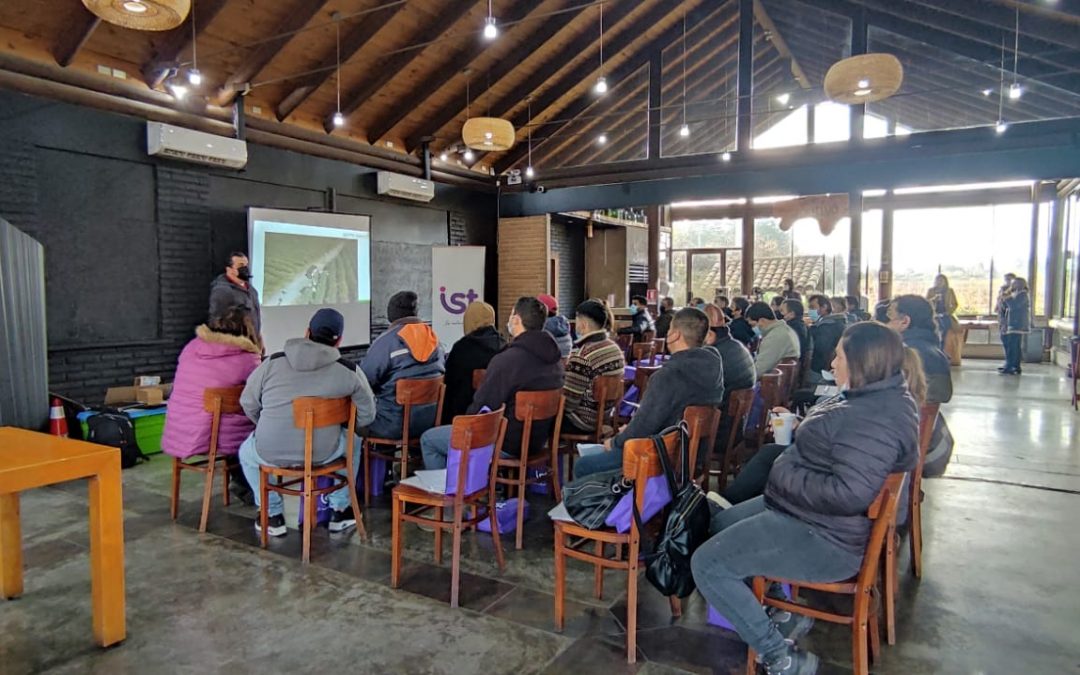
(146, 389)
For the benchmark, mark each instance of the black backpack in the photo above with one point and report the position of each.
(115, 429)
(667, 566)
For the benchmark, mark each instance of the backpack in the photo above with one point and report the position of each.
(590, 499)
(667, 566)
(111, 427)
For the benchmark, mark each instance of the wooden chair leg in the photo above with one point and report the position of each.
(438, 535)
(496, 540)
(366, 451)
(598, 572)
(397, 536)
(860, 661)
(875, 637)
(520, 534)
(889, 587)
(225, 483)
(208, 491)
(560, 579)
(174, 503)
(350, 481)
(631, 602)
(915, 537)
(553, 476)
(455, 563)
(264, 518)
(309, 516)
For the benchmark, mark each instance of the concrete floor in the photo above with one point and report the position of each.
(1000, 593)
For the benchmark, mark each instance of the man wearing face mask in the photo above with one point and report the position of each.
(778, 341)
(640, 321)
(233, 289)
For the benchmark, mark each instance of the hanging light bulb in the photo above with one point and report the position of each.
(1015, 91)
(684, 130)
(783, 99)
(529, 173)
(179, 91)
(601, 85)
(726, 157)
(491, 31)
(1001, 127)
(443, 156)
(601, 82)
(469, 156)
(987, 92)
(601, 139)
(194, 77)
(339, 119)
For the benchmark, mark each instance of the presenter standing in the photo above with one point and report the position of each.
(233, 288)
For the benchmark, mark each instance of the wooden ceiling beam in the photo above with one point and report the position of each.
(177, 41)
(506, 65)
(997, 16)
(351, 43)
(778, 43)
(75, 36)
(584, 70)
(259, 57)
(388, 69)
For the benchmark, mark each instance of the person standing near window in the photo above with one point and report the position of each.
(943, 300)
(1017, 324)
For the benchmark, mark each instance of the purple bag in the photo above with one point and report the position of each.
(377, 477)
(476, 474)
(631, 396)
(715, 618)
(657, 496)
(543, 487)
(322, 506)
(505, 517)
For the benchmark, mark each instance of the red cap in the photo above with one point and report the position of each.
(548, 301)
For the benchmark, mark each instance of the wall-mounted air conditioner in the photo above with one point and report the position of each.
(187, 145)
(405, 187)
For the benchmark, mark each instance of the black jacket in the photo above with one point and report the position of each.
(799, 326)
(663, 323)
(738, 365)
(689, 377)
(842, 454)
(472, 352)
(825, 335)
(935, 363)
(639, 323)
(532, 362)
(741, 330)
(224, 295)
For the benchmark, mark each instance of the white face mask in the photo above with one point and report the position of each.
(510, 328)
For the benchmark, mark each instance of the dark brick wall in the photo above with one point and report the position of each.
(196, 212)
(568, 242)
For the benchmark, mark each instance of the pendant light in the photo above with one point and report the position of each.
(490, 134)
(194, 76)
(601, 82)
(339, 119)
(684, 130)
(1001, 126)
(1015, 90)
(865, 78)
(491, 31)
(153, 15)
(529, 173)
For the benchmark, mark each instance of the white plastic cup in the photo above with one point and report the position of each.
(783, 426)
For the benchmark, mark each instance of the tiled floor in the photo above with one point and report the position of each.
(1000, 593)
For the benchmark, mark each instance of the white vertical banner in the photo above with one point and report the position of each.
(457, 275)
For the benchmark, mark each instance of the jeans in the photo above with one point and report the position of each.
(1012, 342)
(601, 461)
(751, 479)
(754, 540)
(250, 462)
(435, 446)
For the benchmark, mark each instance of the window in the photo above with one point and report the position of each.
(1072, 245)
(719, 233)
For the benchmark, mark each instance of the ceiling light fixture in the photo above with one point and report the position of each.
(179, 90)
(684, 130)
(135, 7)
(152, 15)
(194, 76)
(726, 157)
(1001, 127)
(491, 31)
(601, 139)
(987, 92)
(469, 156)
(863, 92)
(1015, 91)
(529, 169)
(529, 173)
(601, 82)
(443, 156)
(339, 119)
(863, 84)
(783, 99)
(490, 134)
(865, 78)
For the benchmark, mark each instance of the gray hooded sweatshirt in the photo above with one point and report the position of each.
(304, 368)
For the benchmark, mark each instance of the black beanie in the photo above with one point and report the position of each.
(402, 304)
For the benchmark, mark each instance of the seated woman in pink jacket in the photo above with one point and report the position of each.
(223, 354)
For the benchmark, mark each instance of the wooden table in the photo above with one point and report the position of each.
(29, 460)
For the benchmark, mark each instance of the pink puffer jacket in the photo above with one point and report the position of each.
(210, 360)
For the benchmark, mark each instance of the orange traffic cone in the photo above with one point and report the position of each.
(57, 420)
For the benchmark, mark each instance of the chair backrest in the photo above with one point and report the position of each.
(804, 368)
(660, 345)
(310, 413)
(883, 514)
(478, 377)
(640, 463)
(467, 434)
(770, 395)
(643, 351)
(641, 379)
(536, 406)
(928, 413)
(648, 335)
(608, 393)
(411, 393)
(221, 401)
(624, 341)
(703, 421)
(789, 375)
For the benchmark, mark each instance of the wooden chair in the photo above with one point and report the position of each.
(478, 376)
(660, 345)
(608, 393)
(643, 351)
(310, 413)
(531, 407)
(754, 435)
(409, 394)
(639, 463)
(703, 422)
(789, 378)
(739, 403)
(217, 402)
(641, 382)
(469, 432)
(863, 621)
(625, 341)
(648, 335)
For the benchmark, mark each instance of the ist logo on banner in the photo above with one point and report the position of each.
(457, 302)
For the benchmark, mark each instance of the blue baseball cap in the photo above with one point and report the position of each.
(327, 323)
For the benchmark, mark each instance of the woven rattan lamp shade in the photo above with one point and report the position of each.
(864, 79)
(490, 134)
(154, 15)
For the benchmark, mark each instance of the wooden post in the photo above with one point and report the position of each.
(885, 274)
(854, 275)
(654, 215)
(747, 281)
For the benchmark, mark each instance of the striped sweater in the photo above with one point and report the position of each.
(594, 355)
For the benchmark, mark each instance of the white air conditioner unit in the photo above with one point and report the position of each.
(187, 145)
(405, 187)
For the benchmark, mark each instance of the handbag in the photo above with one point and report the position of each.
(591, 498)
(667, 565)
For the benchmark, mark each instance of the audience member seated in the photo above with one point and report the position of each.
(223, 353)
(640, 321)
(811, 523)
(735, 358)
(775, 304)
(725, 306)
(556, 324)
(793, 316)
(472, 352)
(778, 341)
(741, 329)
(698, 303)
(692, 376)
(913, 317)
(825, 331)
(663, 322)
(855, 312)
(594, 355)
(309, 366)
(789, 292)
(840, 309)
(409, 349)
(530, 363)
(881, 310)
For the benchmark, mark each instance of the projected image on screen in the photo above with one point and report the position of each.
(302, 270)
(302, 261)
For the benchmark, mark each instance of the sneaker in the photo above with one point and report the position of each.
(791, 625)
(275, 526)
(795, 662)
(342, 520)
